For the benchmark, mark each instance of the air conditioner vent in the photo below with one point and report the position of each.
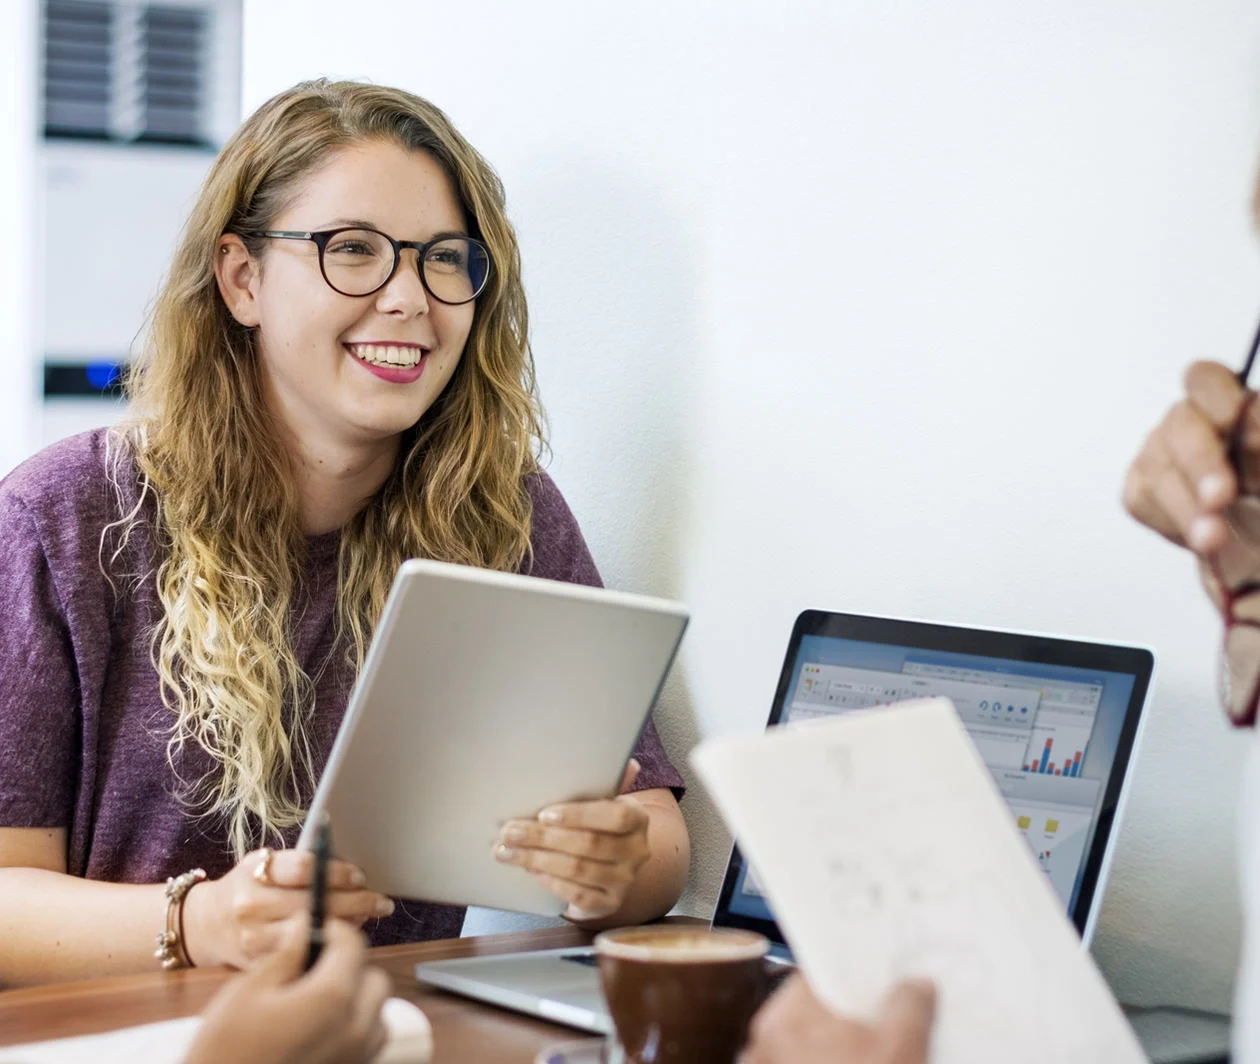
(173, 56)
(78, 68)
(125, 71)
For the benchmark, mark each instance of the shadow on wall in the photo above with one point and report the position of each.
(611, 269)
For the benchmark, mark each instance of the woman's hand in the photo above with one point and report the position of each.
(240, 918)
(587, 853)
(1183, 485)
(794, 1027)
(276, 1015)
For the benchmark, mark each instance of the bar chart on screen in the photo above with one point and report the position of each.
(1059, 743)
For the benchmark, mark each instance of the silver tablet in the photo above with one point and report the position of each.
(486, 696)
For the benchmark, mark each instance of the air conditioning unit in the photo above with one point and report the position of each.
(136, 99)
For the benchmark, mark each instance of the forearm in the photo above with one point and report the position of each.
(56, 927)
(660, 880)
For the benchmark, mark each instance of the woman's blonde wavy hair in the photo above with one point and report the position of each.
(231, 549)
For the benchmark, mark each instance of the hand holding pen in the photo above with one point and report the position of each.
(1200, 460)
(319, 890)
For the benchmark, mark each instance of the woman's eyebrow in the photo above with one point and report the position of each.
(339, 223)
(360, 223)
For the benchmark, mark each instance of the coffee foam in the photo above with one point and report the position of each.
(682, 945)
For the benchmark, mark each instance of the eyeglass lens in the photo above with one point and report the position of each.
(357, 262)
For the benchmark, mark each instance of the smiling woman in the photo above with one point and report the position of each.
(337, 378)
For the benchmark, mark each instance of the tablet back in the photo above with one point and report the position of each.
(485, 697)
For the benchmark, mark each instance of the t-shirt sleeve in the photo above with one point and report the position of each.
(558, 552)
(39, 718)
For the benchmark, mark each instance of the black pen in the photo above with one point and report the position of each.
(319, 889)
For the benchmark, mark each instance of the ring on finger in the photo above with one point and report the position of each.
(262, 870)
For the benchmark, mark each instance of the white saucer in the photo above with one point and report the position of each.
(587, 1051)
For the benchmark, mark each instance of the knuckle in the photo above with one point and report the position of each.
(243, 906)
(248, 941)
(608, 847)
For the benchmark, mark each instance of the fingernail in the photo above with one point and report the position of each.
(385, 907)
(515, 835)
(1213, 487)
(550, 816)
(357, 878)
(504, 853)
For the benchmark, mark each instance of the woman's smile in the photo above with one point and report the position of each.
(398, 363)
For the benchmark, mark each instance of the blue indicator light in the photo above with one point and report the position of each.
(101, 375)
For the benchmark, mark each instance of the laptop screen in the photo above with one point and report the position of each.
(1053, 719)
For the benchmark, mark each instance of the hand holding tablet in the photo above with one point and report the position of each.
(487, 698)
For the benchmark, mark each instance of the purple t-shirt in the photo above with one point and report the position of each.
(83, 730)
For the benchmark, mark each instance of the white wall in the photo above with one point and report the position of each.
(19, 394)
(866, 307)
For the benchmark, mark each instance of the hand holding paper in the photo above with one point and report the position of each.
(886, 852)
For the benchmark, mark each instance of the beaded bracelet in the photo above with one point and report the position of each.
(170, 943)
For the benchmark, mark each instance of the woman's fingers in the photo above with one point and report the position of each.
(255, 904)
(584, 902)
(296, 868)
(359, 906)
(582, 871)
(613, 816)
(599, 846)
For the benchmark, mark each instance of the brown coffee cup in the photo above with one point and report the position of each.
(682, 994)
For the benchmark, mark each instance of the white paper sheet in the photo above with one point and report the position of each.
(885, 850)
(410, 1042)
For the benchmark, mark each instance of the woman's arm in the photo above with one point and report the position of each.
(56, 927)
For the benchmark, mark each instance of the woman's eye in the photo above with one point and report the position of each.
(450, 258)
(348, 247)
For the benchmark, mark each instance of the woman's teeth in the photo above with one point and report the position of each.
(386, 355)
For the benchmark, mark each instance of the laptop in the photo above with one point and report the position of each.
(1056, 721)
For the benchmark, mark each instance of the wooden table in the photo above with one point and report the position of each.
(463, 1030)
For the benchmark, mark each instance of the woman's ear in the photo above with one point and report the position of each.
(236, 270)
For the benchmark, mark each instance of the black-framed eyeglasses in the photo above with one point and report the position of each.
(1240, 656)
(355, 261)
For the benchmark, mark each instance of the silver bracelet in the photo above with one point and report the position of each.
(170, 943)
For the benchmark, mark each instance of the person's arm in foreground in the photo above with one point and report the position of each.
(794, 1027)
(277, 1015)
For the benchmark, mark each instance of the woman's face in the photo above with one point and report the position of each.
(341, 370)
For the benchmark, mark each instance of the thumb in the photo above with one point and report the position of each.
(904, 1028)
(286, 962)
(633, 768)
